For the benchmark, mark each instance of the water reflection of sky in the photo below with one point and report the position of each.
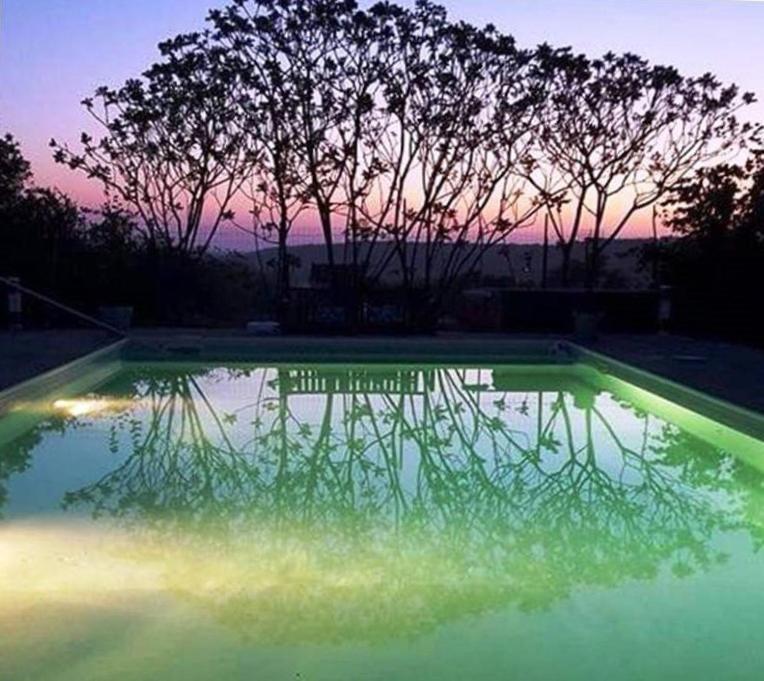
(457, 415)
(372, 515)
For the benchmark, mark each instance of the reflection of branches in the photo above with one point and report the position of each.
(16, 458)
(437, 484)
(16, 454)
(175, 467)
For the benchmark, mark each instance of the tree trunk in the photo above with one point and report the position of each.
(282, 273)
(565, 267)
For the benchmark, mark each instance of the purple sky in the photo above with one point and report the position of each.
(55, 52)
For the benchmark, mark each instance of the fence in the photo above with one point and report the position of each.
(555, 310)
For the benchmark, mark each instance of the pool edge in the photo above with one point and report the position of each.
(718, 409)
(62, 375)
(384, 350)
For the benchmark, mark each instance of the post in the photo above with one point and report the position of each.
(664, 308)
(656, 251)
(590, 256)
(14, 304)
(545, 256)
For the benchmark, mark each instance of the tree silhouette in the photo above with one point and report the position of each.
(454, 128)
(311, 67)
(15, 171)
(175, 147)
(424, 141)
(620, 134)
(715, 261)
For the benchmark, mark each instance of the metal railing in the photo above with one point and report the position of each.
(15, 307)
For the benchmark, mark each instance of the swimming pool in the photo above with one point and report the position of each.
(226, 520)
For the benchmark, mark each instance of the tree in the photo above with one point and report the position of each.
(454, 127)
(14, 171)
(398, 126)
(40, 228)
(714, 263)
(619, 135)
(175, 149)
(309, 66)
(425, 141)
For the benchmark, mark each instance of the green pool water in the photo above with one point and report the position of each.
(328, 523)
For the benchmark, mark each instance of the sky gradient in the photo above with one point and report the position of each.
(55, 52)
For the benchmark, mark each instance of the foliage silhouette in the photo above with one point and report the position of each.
(175, 145)
(620, 135)
(714, 263)
(397, 127)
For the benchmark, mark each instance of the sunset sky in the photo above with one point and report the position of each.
(55, 52)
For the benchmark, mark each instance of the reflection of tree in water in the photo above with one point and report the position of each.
(15, 458)
(701, 465)
(367, 504)
(16, 454)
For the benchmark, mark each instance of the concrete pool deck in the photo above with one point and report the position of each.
(729, 372)
(26, 354)
(734, 373)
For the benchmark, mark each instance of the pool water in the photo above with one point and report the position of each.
(326, 522)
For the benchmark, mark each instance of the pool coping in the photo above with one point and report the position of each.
(62, 375)
(715, 408)
(377, 351)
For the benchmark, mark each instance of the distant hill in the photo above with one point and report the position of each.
(521, 263)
